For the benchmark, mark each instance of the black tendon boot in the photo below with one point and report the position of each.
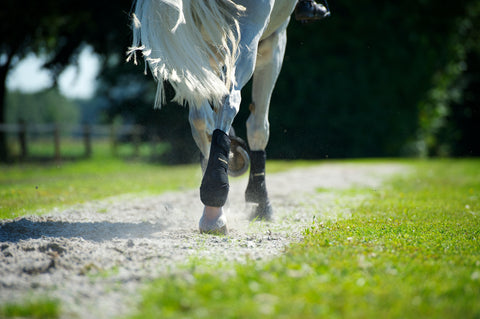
(308, 10)
(257, 189)
(214, 188)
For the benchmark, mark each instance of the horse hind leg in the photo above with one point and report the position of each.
(269, 62)
(256, 191)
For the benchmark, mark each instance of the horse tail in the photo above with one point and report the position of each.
(193, 44)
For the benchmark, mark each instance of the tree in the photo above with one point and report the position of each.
(57, 29)
(450, 114)
(351, 84)
(364, 82)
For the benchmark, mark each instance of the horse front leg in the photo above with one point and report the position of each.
(269, 62)
(215, 186)
(202, 123)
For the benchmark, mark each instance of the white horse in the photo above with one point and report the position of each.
(208, 50)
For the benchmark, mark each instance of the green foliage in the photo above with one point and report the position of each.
(47, 106)
(410, 250)
(450, 112)
(374, 79)
(351, 84)
(131, 97)
(58, 29)
(44, 309)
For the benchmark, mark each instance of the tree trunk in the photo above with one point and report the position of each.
(3, 111)
(3, 100)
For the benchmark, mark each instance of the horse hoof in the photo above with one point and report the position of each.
(262, 212)
(239, 160)
(216, 226)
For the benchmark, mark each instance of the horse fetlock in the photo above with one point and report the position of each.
(256, 191)
(214, 188)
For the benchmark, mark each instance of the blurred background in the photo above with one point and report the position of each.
(376, 79)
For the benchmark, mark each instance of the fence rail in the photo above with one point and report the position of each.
(24, 134)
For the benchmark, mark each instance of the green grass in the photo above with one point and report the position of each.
(410, 250)
(33, 188)
(40, 309)
(36, 188)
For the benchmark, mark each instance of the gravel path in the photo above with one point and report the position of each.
(65, 255)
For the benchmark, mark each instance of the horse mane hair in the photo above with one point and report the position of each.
(193, 44)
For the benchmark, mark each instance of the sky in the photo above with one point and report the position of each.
(28, 76)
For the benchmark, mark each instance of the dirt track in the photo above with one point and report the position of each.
(94, 257)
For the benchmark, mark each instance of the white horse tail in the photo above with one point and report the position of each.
(193, 44)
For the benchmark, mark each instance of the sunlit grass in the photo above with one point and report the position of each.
(33, 188)
(40, 309)
(409, 250)
(28, 188)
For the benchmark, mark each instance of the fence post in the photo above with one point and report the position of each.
(136, 132)
(56, 141)
(113, 139)
(22, 138)
(155, 140)
(87, 131)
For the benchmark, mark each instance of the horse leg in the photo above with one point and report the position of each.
(202, 125)
(214, 188)
(269, 62)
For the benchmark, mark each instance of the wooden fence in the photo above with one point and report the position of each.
(24, 134)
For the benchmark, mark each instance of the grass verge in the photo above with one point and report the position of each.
(28, 188)
(40, 309)
(410, 250)
(37, 188)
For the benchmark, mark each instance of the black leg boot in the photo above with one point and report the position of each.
(257, 189)
(214, 188)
